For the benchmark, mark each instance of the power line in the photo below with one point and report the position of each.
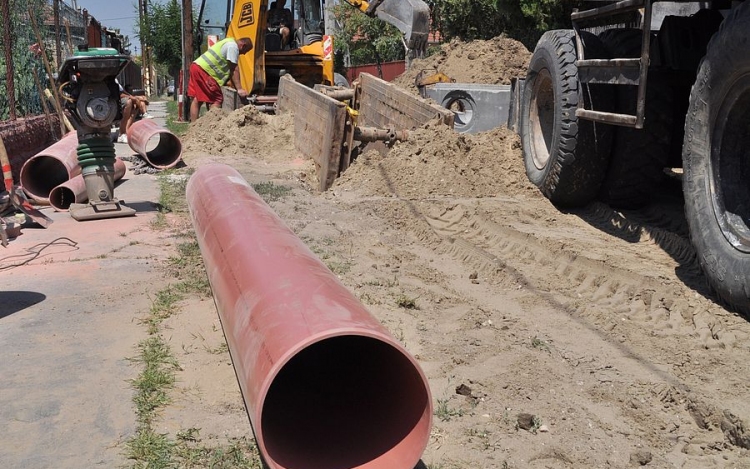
(121, 18)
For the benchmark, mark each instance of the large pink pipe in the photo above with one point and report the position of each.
(73, 191)
(325, 385)
(50, 167)
(157, 145)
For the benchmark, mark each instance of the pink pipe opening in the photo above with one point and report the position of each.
(50, 167)
(325, 385)
(157, 145)
(73, 191)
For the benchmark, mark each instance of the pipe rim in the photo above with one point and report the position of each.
(421, 419)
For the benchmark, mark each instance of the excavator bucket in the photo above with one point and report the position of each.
(411, 17)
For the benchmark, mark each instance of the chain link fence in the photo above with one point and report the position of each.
(20, 61)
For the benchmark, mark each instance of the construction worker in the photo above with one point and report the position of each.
(212, 70)
(132, 107)
(280, 20)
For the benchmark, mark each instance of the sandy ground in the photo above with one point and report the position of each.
(550, 339)
(595, 323)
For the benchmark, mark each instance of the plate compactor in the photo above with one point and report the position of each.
(92, 98)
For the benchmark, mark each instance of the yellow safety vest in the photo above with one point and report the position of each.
(214, 64)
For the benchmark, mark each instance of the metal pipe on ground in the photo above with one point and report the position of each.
(73, 191)
(324, 383)
(157, 145)
(50, 167)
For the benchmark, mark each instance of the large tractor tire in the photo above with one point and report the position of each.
(565, 157)
(716, 160)
(639, 156)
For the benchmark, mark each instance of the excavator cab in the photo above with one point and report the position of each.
(309, 56)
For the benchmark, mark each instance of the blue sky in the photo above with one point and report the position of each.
(122, 14)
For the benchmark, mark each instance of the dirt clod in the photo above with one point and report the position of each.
(526, 421)
(641, 457)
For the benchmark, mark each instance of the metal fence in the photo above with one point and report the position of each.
(20, 64)
(23, 74)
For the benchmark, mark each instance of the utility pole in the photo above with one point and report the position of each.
(145, 66)
(187, 54)
(146, 51)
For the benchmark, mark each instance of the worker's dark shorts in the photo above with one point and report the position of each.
(203, 87)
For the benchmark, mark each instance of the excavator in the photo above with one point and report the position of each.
(309, 56)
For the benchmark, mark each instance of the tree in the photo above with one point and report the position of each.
(162, 31)
(365, 40)
(523, 20)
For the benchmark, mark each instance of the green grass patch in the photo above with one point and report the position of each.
(173, 125)
(271, 192)
(156, 379)
(163, 305)
(172, 185)
(148, 449)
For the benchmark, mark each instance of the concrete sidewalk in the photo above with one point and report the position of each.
(69, 307)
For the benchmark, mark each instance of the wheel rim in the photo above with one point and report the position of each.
(542, 117)
(730, 165)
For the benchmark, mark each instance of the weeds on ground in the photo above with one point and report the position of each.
(445, 412)
(403, 301)
(540, 344)
(156, 379)
(148, 449)
(172, 184)
(173, 125)
(271, 192)
(163, 305)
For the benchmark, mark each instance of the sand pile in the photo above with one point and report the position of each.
(244, 131)
(437, 161)
(494, 61)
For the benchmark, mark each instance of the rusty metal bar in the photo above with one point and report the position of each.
(339, 95)
(45, 107)
(48, 68)
(158, 146)
(371, 134)
(325, 385)
(625, 120)
(265, 99)
(609, 10)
